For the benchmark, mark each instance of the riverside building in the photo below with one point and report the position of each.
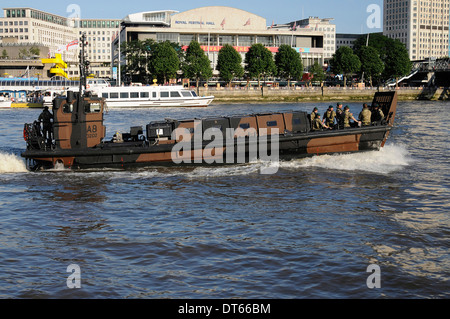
(31, 27)
(422, 25)
(99, 34)
(215, 26)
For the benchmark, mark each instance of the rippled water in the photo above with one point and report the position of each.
(308, 231)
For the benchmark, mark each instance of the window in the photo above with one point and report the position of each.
(244, 126)
(174, 94)
(272, 123)
(134, 95)
(68, 108)
(186, 94)
(144, 95)
(114, 95)
(164, 94)
(105, 95)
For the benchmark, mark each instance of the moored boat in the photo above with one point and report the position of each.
(151, 96)
(5, 103)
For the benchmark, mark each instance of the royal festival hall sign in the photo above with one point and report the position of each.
(184, 22)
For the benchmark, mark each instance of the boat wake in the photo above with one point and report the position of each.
(10, 163)
(389, 159)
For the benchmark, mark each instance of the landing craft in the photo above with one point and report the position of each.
(78, 139)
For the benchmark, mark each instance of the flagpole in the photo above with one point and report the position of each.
(118, 67)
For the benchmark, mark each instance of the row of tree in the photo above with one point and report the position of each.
(380, 59)
(148, 60)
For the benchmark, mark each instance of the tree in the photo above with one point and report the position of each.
(371, 64)
(164, 63)
(317, 72)
(23, 53)
(289, 63)
(392, 53)
(397, 63)
(4, 54)
(376, 40)
(35, 51)
(229, 63)
(345, 62)
(137, 54)
(259, 62)
(196, 64)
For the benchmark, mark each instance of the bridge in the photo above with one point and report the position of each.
(428, 73)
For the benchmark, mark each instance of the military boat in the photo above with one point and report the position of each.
(78, 136)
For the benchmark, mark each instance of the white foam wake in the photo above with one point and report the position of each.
(390, 158)
(10, 163)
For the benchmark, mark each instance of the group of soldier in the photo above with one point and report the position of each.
(342, 118)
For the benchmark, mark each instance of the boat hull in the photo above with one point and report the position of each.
(138, 154)
(5, 104)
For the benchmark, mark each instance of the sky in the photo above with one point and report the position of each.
(350, 16)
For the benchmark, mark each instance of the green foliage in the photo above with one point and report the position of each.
(259, 62)
(137, 54)
(318, 72)
(229, 63)
(397, 62)
(23, 53)
(4, 54)
(289, 63)
(164, 63)
(371, 63)
(35, 51)
(150, 59)
(196, 64)
(392, 53)
(345, 62)
(376, 40)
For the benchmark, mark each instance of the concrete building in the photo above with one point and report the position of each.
(321, 25)
(22, 59)
(346, 40)
(422, 25)
(31, 27)
(215, 26)
(99, 34)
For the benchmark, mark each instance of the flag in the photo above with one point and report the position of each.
(223, 23)
(295, 26)
(247, 23)
(72, 45)
(272, 25)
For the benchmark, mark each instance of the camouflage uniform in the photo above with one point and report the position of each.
(340, 118)
(317, 124)
(329, 118)
(377, 115)
(365, 116)
(347, 117)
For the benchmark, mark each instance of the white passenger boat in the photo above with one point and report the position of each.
(151, 96)
(4, 103)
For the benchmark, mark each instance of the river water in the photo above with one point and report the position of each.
(309, 231)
